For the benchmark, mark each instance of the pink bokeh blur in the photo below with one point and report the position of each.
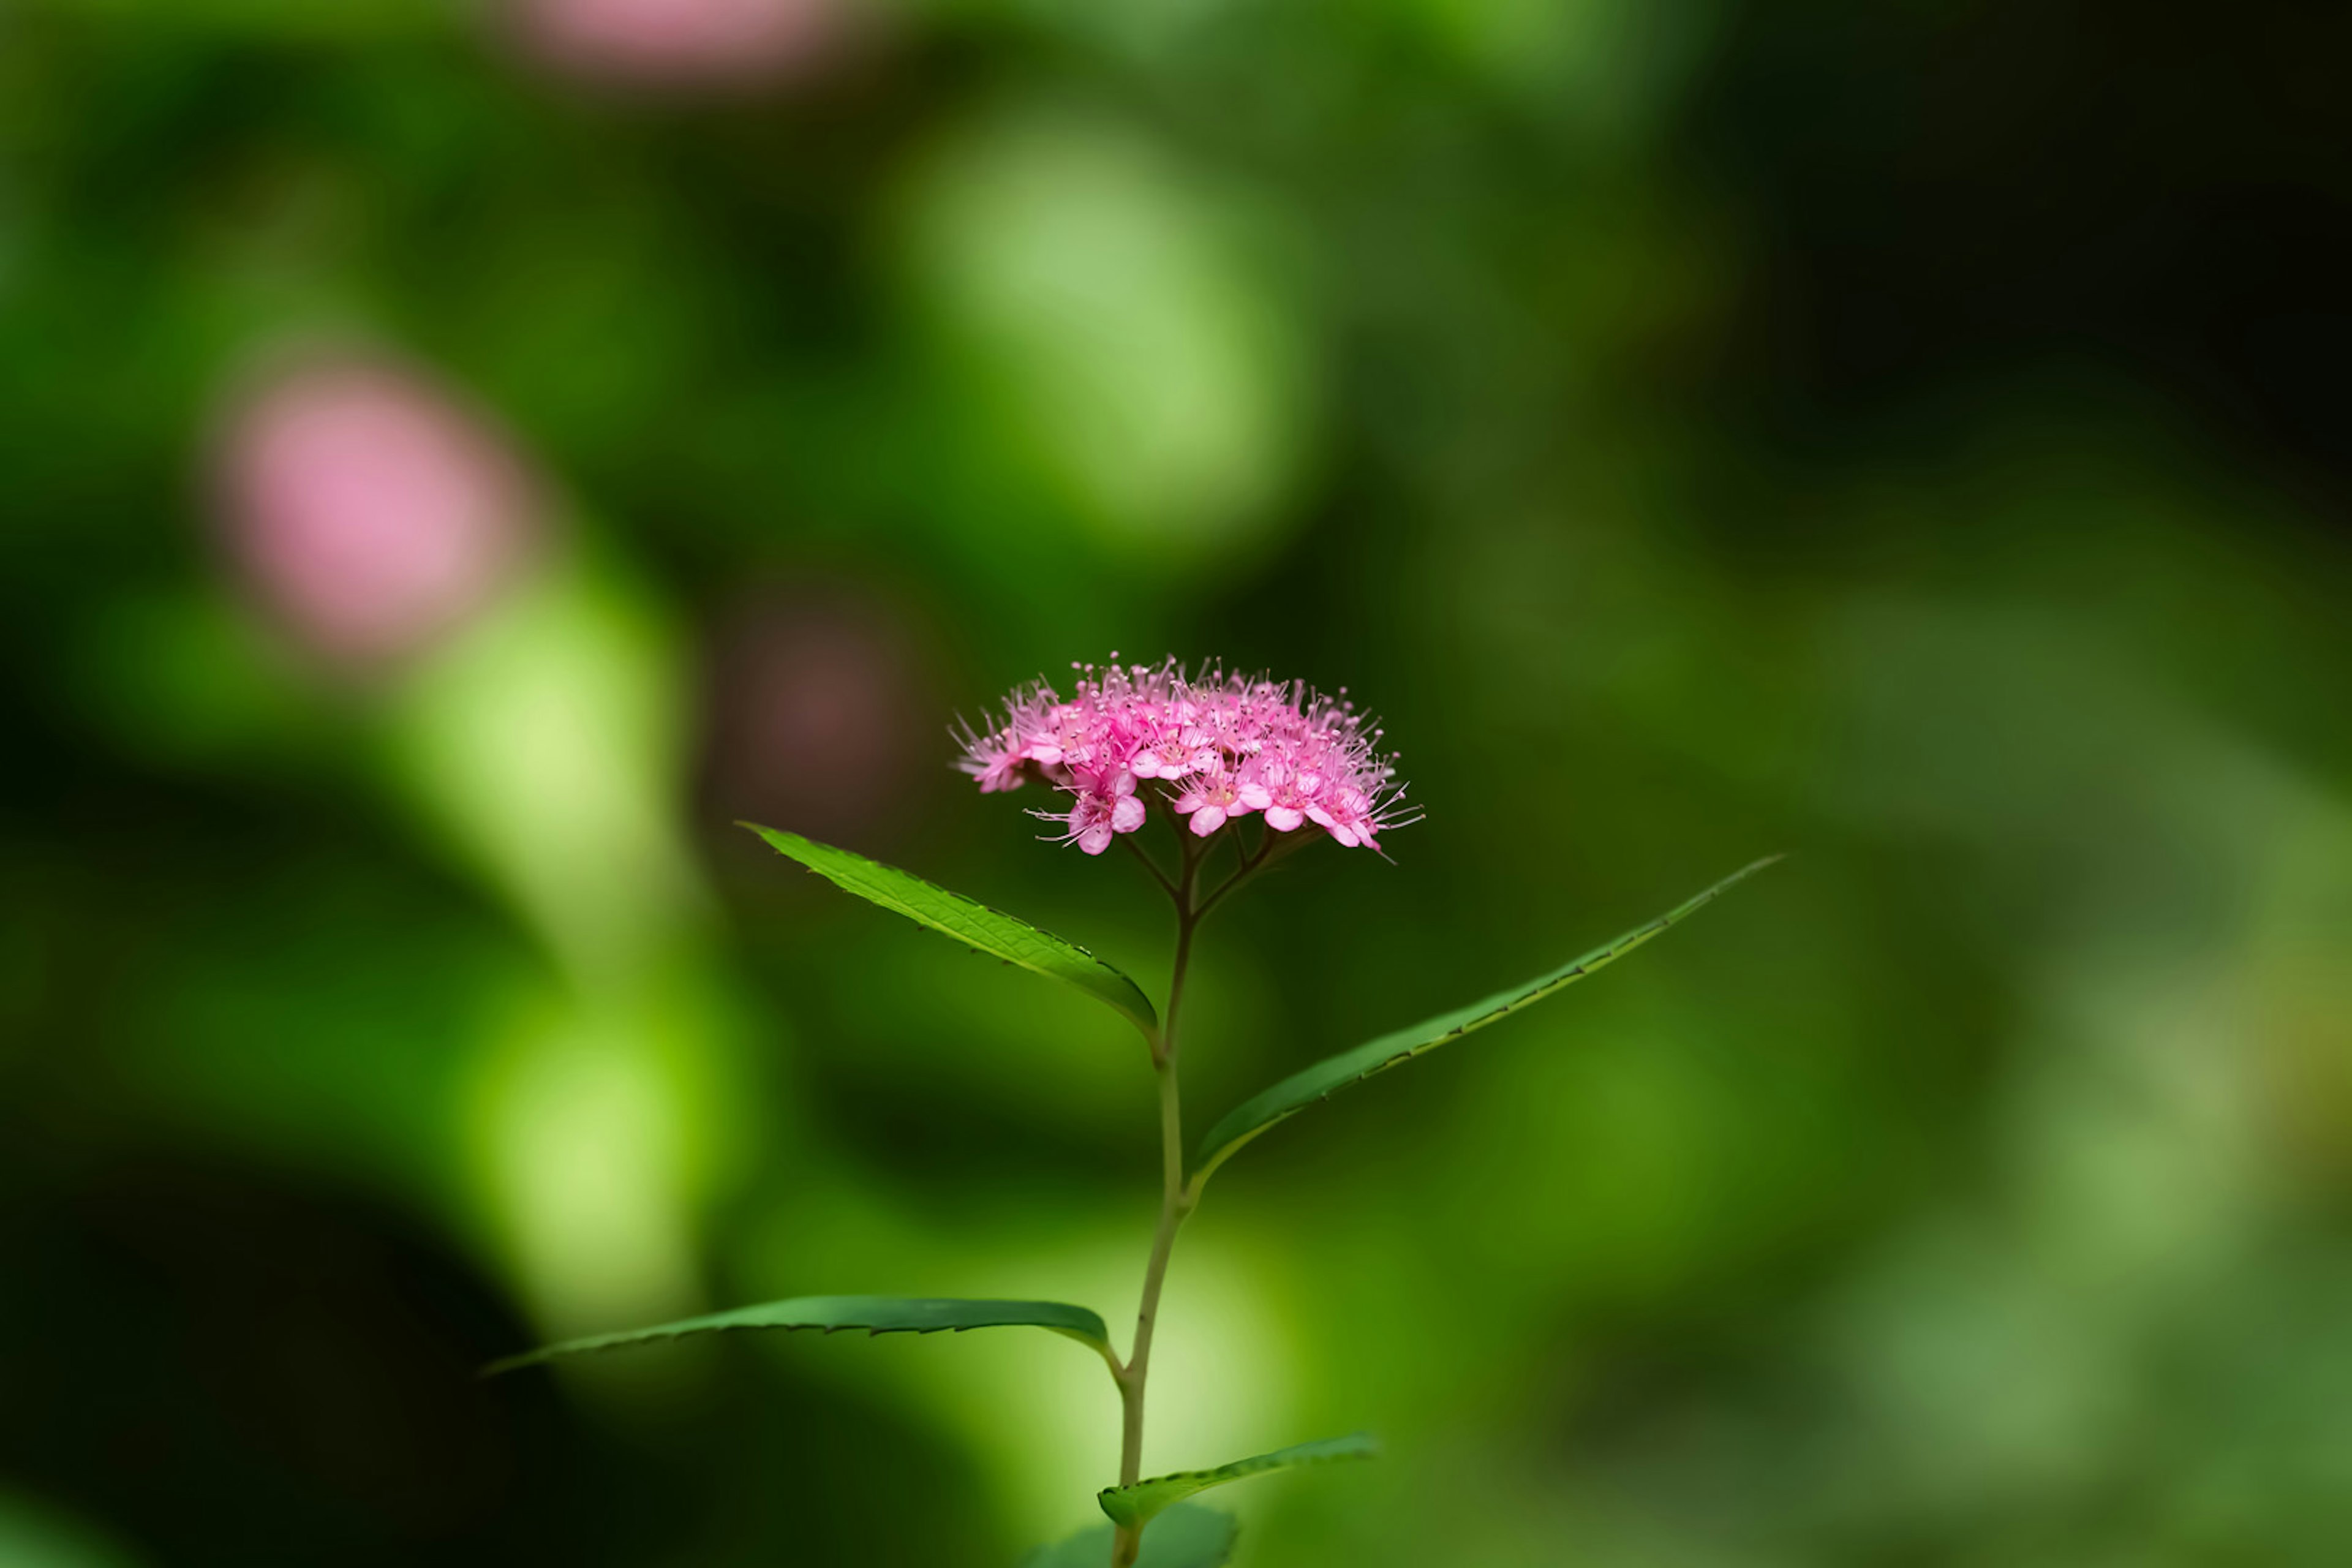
(818, 715)
(368, 511)
(676, 42)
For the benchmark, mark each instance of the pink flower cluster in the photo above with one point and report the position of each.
(1221, 746)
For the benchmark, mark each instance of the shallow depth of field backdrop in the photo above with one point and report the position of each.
(453, 460)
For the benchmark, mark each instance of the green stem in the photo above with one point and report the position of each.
(1175, 1203)
(1270, 844)
(1140, 853)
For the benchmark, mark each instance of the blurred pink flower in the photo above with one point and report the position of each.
(669, 42)
(370, 513)
(1224, 746)
(816, 707)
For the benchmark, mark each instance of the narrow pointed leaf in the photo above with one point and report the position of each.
(1188, 1536)
(1327, 1077)
(974, 925)
(1141, 1503)
(875, 1314)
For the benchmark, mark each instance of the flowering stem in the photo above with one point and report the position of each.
(1252, 861)
(1140, 853)
(1176, 1200)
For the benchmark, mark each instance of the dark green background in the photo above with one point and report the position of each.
(1913, 434)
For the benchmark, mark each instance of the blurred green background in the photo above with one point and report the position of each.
(453, 460)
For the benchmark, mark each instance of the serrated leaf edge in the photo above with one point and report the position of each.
(730, 1322)
(1144, 1015)
(1214, 1153)
(1320, 1451)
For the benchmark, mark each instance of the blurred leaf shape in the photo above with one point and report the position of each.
(1146, 1500)
(1124, 322)
(1189, 1536)
(1327, 1077)
(974, 925)
(35, 1535)
(875, 1314)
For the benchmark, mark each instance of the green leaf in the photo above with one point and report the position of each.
(875, 1314)
(1139, 1503)
(997, 934)
(1327, 1077)
(1188, 1536)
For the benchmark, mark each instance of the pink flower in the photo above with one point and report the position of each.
(1000, 759)
(1288, 790)
(1171, 758)
(1225, 746)
(1213, 798)
(1000, 769)
(1103, 803)
(1347, 814)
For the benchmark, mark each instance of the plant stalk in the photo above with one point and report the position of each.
(1175, 1204)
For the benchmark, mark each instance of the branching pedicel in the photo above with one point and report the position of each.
(1209, 752)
